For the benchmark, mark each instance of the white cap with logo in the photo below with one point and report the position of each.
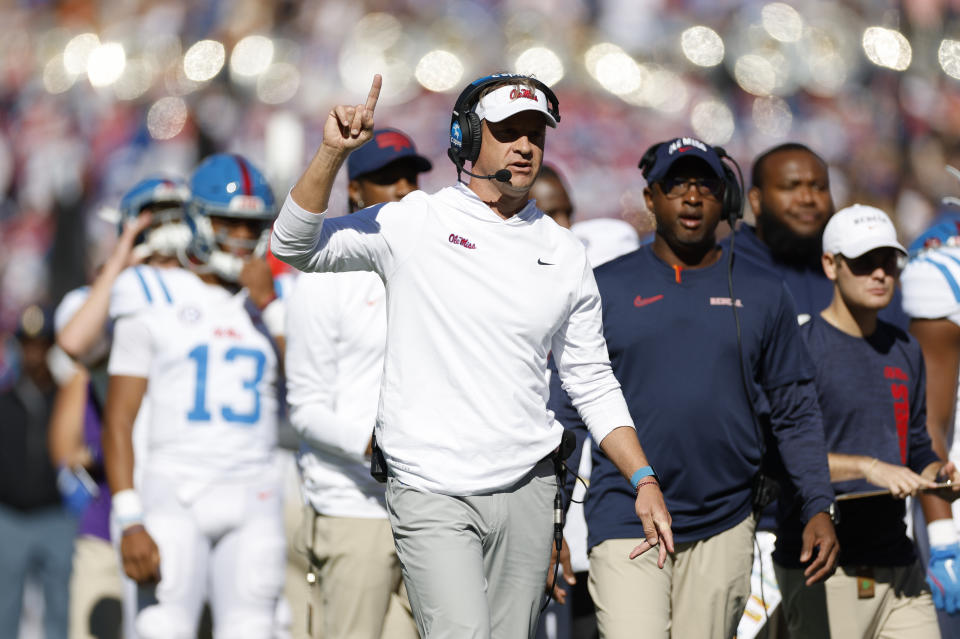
(501, 103)
(858, 229)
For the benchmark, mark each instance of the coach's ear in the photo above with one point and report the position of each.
(830, 264)
(648, 197)
(353, 195)
(753, 195)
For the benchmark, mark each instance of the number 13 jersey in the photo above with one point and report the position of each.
(211, 380)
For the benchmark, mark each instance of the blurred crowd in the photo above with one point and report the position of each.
(95, 96)
(74, 135)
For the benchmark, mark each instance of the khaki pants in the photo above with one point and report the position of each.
(296, 590)
(700, 592)
(359, 592)
(901, 607)
(96, 590)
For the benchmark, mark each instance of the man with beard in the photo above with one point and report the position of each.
(790, 197)
(731, 383)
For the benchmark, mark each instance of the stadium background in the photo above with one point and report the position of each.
(95, 95)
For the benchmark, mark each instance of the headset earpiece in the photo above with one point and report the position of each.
(648, 160)
(732, 192)
(473, 133)
(732, 197)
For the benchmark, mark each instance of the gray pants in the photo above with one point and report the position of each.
(38, 542)
(475, 567)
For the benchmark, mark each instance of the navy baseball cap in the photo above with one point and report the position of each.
(678, 149)
(386, 146)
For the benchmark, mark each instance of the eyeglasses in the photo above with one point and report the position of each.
(675, 187)
(890, 260)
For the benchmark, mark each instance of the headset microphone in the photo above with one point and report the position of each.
(503, 175)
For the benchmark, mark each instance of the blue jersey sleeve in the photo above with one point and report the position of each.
(784, 358)
(797, 425)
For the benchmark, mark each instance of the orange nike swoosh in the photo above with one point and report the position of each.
(640, 300)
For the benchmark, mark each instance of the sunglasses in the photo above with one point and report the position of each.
(890, 260)
(675, 187)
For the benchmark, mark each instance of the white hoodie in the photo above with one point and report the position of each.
(475, 304)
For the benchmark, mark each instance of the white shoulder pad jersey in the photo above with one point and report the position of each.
(148, 287)
(212, 382)
(931, 284)
(931, 290)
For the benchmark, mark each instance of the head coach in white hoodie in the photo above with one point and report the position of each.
(481, 288)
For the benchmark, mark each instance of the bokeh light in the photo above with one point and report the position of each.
(702, 45)
(542, 63)
(439, 70)
(251, 56)
(755, 74)
(782, 22)
(772, 116)
(595, 53)
(712, 121)
(204, 60)
(77, 52)
(56, 78)
(661, 89)
(378, 44)
(166, 118)
(278, 83)
(618, 73)
(887, 48)
(137, 78)
(106, 64)
(949, 57)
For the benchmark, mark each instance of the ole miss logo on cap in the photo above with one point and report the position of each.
(682, 145)
(391, 138)
(523, 92)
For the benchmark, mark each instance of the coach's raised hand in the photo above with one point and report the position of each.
(347, 127)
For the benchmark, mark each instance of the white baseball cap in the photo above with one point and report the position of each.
(857, 229)
(606, 238)
(511, 99)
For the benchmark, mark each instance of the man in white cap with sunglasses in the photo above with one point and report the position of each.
(481, 287)
(870, 384)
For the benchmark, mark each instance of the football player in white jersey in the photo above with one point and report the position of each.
(205, 522)
(152, 231)
(931, 297)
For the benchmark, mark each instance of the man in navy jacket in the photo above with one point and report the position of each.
(711, 379)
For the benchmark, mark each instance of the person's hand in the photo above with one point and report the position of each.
(123, 254)
(948, 472)
(566, 571)
(820, 535)
(141, 557)
(348, 127)
(899, 480)
(257, 278)
(77, 494)
(656, 520)
(943, 577)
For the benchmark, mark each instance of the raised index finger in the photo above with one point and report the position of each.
(374, 94)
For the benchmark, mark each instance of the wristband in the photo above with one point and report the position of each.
(942, 532)
(645, 483)
(127, 509)
(274, 317)
(640, 473)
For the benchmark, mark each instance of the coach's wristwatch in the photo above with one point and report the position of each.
(834, 513)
